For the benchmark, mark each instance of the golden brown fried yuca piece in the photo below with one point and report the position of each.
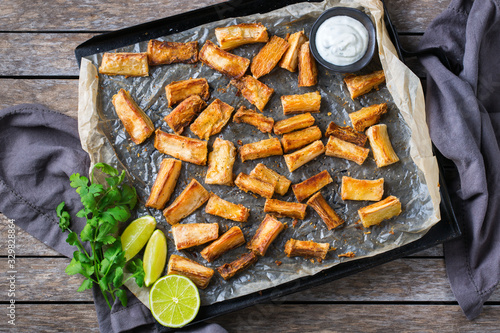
(293, 123)
(267, 232)
(194, 234)
(224, 62)
(164, 184)
(361, 84)
(260, 149)
(240, 34)
(362, 189)
(381, 145)
(199, 274)
(281, 183)
(253, 90)
(137, 124)
(299, 139)
(268, 56)
(308, 102)
(290, 59)
(164, 53)
(327, 214)
(346, 133)
(300, 157)
(186, 149)
(367, 116)
(311, 185)
(184, 113)
(284, 208)
(248, 183)
(307, 249)
(191, 198)
(231, 239)
(308, 72)
(178, 91)
(227, 271)
(251, 117)
(379, 211)
(212, 119)
(228, 210)
(343, 149)
(220, 163)
(128, 64)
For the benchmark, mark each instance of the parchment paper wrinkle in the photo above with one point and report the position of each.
(414, 180)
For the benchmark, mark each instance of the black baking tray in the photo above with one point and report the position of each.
(443, 231)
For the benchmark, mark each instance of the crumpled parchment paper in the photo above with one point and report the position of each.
(414, 180)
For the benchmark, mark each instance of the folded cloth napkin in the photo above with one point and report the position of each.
(463, 113)
(39, 150)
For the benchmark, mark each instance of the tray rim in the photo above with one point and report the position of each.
(446, 229)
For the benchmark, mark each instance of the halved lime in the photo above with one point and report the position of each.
(136, 235)
(174, 300)
(155, 257)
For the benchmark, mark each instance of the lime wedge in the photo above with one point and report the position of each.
(136, 235)
(174, 300)
(155, 257)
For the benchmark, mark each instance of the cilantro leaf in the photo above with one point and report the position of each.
(136, 268)
(86, 284)
(64, 217)
(129, 196)
(117, 213)
(122, 296)
(74, 267)
(105, 168)
(118, 277)
(78, 181)
(87, 233)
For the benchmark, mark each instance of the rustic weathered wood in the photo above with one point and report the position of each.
(94, 15)
(89, 15)
(53, 318)
(26, 245)
(48, 53)
(358, 318)
(44, 280)
(56, 94)
(284, 318)
(414, 16)
(402, 280)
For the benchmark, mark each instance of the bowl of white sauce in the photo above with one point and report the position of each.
(343, 39)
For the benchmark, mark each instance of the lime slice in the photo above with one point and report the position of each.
(136, 235)
(174, 300)
(155, 257)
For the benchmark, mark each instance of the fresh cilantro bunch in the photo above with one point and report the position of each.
(103, 208)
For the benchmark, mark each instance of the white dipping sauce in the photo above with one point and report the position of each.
(341, 40)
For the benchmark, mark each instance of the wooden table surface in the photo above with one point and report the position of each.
(37, 42)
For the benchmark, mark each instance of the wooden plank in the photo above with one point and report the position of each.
(414, 16)
(283, 318)
(56, 94)
(90, 15)
(51, 318)
(26, 245)
(418, 280)
(95, 15)
(358, 318)
(34, 54)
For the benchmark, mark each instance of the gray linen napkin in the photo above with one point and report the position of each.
(463, 113)
(39, 150)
